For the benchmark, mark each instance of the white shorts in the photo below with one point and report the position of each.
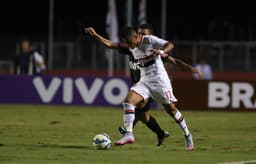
(160, 90)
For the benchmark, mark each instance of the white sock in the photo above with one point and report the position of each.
(129, 116)
(182, 123)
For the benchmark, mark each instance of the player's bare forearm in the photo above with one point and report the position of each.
(101, 39)
(182, 64)
(106, 42)
(168, 47)
(171, 60)
(188, 67)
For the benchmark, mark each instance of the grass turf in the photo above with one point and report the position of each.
(33, 134)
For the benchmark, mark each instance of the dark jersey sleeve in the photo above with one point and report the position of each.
(135, 72)
(124, 49)
(135, 75)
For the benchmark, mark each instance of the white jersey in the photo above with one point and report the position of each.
(38, 62)
(151, 67)
(154, 80)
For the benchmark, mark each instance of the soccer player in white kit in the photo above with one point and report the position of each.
(147, 51)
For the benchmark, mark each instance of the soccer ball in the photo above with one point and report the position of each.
(101, 141)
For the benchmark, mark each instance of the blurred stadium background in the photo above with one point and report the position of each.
(80, 71)
(224, 32)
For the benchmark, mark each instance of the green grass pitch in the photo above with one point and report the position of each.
(34, 134)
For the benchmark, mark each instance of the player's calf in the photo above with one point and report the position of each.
(129, 116)
(180, 120)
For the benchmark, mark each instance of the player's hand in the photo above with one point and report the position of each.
(90, 31)
(199, 73)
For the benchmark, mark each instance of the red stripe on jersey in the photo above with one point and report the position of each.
(129, 111)
(180, 119)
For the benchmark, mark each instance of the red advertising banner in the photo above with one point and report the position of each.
(203, 95)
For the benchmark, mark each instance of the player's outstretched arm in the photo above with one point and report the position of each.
(104, 41)
(168, 47)
(183, 65)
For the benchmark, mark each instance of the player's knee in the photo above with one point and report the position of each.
(143, 119)
(173, 107)
(133, 98)
(170, 108)
(143, 104)
(129, 100)
(147, 117)
(140, 106)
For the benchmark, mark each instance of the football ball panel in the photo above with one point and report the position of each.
(101, 141)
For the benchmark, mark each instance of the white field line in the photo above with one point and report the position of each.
(238, 162)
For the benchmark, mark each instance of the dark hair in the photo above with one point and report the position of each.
(126, 31)
(146, 26)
